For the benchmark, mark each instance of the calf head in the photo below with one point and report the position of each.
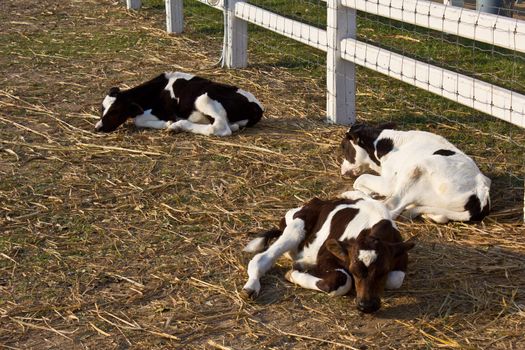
(369, 260)
(358, 148)
(115, 110)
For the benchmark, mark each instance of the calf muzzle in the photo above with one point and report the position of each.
(368, 306)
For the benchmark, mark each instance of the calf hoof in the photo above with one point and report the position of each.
(175, 127)
(249, 294)
(288, 275)
(438, 219)
(352, 195)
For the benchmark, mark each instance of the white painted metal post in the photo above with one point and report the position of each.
(458, 3)
(133, 4)
(174, 16)
(235, 38)
(340, 74)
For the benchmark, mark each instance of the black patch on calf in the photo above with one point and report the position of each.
(473, 206)
(237, 106)
(365, 136)
(444, 152)
(384, 146)
(114, 91)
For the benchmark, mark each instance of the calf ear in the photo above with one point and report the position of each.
(403, 247)
(135, 109)
(337, 249)
(352, 135)
(114, 91)
(355, 131)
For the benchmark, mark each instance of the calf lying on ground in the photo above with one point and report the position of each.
(181, 102)
(331, 241)
(418, 171)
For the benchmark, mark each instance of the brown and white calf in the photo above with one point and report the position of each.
(181, 102)
(419, 172)
(332, 244)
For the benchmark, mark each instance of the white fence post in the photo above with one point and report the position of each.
(340, 74)
(174, 16)
(133, 4)
(235, 37)
(458, 3)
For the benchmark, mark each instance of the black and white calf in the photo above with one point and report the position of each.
(181, 102)
(333, 242)
(418, 171)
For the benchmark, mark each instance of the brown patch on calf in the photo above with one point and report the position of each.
(416, 174)
(348, 150)
(314, 214)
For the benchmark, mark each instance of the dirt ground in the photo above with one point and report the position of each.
(133, 239)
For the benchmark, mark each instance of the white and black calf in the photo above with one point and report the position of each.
(181, 102)
(334, 245)
(419, 172)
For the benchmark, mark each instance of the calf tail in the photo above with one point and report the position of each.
(479, 211)
(262, 242)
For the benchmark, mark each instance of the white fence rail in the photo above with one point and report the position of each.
(290, 28)
(488, 28)
(487, 98)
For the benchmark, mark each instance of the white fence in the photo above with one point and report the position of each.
(343, 50)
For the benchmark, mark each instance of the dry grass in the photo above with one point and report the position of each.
(133, 239)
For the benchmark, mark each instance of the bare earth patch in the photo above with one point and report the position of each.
(133, 239)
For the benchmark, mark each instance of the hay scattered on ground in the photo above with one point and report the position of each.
(133, 239)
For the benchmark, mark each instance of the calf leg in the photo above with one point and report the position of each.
(396, 204)
(212, 108)
(440, 215)
(234, 127)
(352, 195)
(372, 184)
(148, 120)
(394, 279)
(336, 282)
(414, 212)
(201, 129)
(291, 237)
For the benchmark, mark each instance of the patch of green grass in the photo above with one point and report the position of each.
(73, 45)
